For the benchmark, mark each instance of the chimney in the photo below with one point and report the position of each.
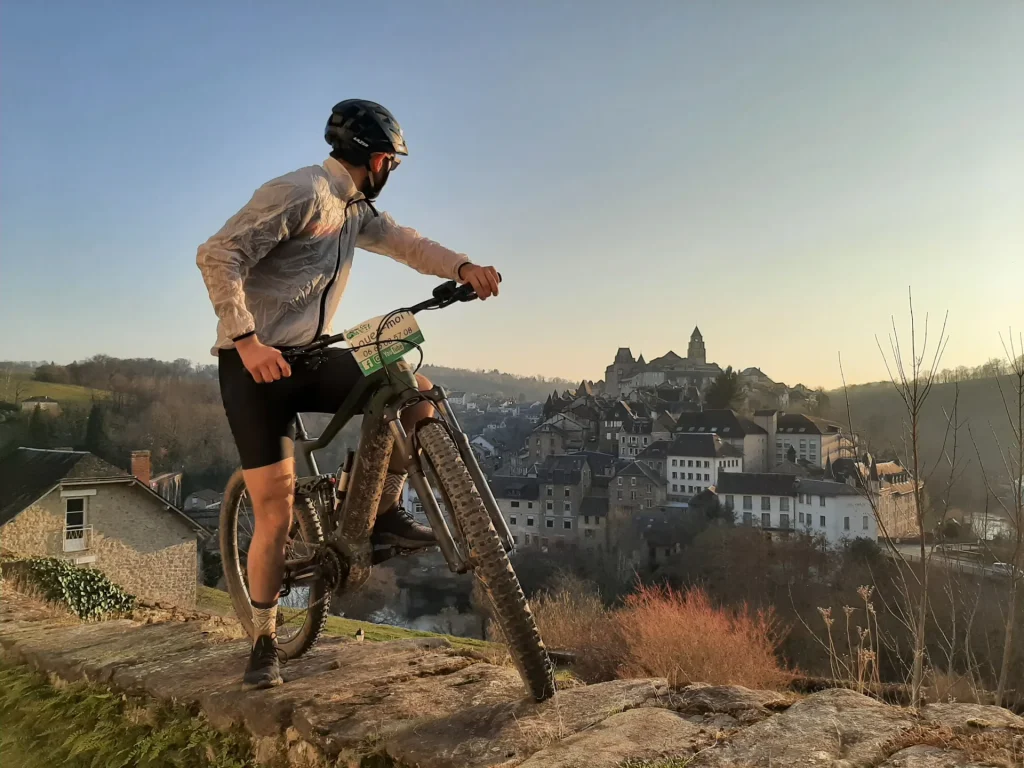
(141, 466)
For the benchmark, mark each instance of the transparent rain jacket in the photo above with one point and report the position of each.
(279, 266)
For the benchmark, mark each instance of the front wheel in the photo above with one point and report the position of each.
(489, 561)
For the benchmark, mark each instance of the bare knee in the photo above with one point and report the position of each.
(271, 490)
(423, 382)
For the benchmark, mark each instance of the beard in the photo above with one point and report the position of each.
(374, 183)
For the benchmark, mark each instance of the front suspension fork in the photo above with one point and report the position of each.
(456, 559)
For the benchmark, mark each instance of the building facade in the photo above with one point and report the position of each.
(71, 505)
(694, 463)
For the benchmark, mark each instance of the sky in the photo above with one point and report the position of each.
(779, 174)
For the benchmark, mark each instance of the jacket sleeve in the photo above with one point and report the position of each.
(277, 210)
(382, 235)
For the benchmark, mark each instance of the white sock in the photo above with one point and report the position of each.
(264, 621)
(392, 493)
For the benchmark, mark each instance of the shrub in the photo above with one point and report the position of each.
(88, 593)
(571, 617)
(684, 637)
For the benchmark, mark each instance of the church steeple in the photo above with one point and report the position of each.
(696, 351)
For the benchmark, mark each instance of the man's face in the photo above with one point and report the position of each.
(380, 167)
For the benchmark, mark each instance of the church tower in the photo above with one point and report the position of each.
(696, 352)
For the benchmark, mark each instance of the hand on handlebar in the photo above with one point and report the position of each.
(265, 364)
(483, 279)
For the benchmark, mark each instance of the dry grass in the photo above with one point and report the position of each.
(659, 632)
(573, 618)
(996, 747)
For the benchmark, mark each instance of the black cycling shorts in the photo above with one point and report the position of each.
(261, 415)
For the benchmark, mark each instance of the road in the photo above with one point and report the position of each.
(912, 552)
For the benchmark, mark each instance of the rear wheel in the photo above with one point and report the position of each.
(489, 560)
(301, 614)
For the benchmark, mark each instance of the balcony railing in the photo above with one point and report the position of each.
(77, 538)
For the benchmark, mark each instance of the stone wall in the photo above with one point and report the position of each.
(146, 549)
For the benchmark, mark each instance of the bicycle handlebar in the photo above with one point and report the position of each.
(444, 295)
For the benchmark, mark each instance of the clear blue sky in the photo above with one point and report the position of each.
(778, 173)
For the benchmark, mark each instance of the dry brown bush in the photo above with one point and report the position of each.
(683, 636)
(661, 633)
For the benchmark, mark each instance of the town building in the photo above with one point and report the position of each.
(784, 504)
(738, 431)
(638, 433)
(804, 439)
(75, 506)
(694, 463)
(634, 488)
(626, 375)
(891, 488)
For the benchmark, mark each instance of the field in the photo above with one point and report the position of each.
(218, 602)
(22, 386)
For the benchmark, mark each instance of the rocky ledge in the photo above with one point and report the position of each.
(422, 703)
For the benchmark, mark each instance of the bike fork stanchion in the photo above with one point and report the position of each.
(482, 486)
(456, 561)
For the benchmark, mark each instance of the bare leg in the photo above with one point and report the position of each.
(271, 489)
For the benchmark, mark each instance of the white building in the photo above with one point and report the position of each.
(693, 463)
(836, 511)
(41, 402)
(784, 504)
(738, 431)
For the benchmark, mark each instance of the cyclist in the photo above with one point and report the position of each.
(275, 273)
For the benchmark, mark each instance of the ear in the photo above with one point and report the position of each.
(377, 161)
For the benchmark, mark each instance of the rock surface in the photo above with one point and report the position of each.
(425, 704)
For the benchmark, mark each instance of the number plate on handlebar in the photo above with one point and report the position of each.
(398, 329)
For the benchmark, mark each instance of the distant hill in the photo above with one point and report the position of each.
(20, 385)
(529, 388)
(880, 417)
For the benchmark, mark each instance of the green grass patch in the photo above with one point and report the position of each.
(219, 602)
(84, 725)
(24, 386)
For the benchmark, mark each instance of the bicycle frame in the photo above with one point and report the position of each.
(382, 433)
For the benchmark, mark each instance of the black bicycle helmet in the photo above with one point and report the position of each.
(357, 128)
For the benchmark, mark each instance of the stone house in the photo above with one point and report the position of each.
(73, 505)
(889, 484)
(637, 434)
(563, 482)
(635, 487)
(546, 440)
(518, 500)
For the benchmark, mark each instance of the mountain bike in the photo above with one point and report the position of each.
(330, 549)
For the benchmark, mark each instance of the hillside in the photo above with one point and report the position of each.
(20, 385)
(523, 388)
(880, 418)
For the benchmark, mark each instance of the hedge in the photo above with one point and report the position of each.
(86, 592)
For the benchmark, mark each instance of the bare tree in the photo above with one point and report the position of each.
(1011, 503)
(913, 374)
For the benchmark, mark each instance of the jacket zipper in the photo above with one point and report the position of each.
(337, 268)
